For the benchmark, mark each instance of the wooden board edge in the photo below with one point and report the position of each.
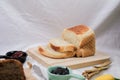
(38, 60)
(75, 66)
(88, 64)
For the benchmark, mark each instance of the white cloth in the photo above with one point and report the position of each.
(27, 22)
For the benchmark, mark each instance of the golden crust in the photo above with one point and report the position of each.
(55, 55)
(86, 50)
(56, 48)
(87, 40)
(86, 45)
(80, 29)
(62, 48)
(82, 38)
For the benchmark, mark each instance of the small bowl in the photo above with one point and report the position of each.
(52, 76)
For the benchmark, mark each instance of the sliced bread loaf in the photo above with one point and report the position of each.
(49, 52)
(82, 37)
(61, 45)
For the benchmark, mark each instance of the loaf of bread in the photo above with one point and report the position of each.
(61, 45)
(82, 37)
(11, 70)
(76, 41)
(51, 53)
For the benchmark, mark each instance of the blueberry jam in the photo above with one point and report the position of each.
(60, 71)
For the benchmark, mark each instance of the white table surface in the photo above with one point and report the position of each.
(26, 23)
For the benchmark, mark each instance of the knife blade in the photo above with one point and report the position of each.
(38, 71)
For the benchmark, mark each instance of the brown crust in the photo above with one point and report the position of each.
(14, 65)
(40, 49)
(80, 29)
(87, 40)
(62, 48)
(87, 50)
(84, 48)
(54, 47)
(54, 55)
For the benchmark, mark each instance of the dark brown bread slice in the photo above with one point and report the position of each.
(11, 70)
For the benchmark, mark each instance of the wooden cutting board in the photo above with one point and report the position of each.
(73, 63)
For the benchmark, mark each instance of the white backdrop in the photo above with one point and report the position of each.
(27, 22)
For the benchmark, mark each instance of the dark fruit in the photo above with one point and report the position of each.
(18, 55)
(60, 71)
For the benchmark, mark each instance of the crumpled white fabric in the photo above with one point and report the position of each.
(24, 23)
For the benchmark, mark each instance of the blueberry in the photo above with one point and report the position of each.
(60, 71)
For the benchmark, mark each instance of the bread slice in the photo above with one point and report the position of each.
(49, 52)
(61, 45)
(82, 37)
(11, 70)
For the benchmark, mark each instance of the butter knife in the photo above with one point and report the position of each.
(38, 71)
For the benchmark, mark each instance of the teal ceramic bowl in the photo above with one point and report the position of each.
(52, 76)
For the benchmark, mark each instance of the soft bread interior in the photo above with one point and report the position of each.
(49, 52)
(83, 38)
(59, 42)
(74, 38)
(76, 41)
(61, 45)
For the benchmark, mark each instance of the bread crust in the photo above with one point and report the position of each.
(54, 54)
(84, 40)
(61, 45)
(79, 29)
(86, 50)
(62, 48)
(87, 40)
(9, 67)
